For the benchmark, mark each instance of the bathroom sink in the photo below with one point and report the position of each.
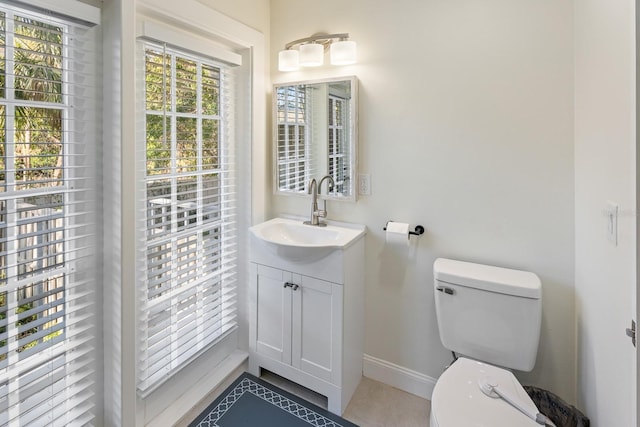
(295, 241)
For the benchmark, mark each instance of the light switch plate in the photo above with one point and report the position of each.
(364, 184)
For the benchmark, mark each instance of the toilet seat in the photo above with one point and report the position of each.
(457, 400)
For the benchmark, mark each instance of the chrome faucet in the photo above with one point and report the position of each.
(331, 184)
(314, 190)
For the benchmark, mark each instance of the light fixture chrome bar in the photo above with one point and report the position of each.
(317, 37)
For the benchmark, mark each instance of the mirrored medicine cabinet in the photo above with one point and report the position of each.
(314, 135)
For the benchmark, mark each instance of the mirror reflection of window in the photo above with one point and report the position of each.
(293, 153)
(315, 135)
(338, 145)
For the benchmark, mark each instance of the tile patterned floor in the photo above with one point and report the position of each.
(375, 404)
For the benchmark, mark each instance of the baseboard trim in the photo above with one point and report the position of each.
(398, 376)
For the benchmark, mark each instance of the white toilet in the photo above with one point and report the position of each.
(490, 317)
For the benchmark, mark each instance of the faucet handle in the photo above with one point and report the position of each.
(322, 213)
(316, 214)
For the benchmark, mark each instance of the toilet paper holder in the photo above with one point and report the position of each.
(418, 230)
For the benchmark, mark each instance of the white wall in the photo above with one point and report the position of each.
(254, 13)
(605, 171)
(466, 127)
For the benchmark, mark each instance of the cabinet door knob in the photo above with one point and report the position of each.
(291, 285)
(295, 287)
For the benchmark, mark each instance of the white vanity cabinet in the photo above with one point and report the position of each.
(295, 320)
(307, 319)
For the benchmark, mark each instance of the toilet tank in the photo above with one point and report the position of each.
(488, 313)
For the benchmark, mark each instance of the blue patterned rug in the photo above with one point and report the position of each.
(250, 402)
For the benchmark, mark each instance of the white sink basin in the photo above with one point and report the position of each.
(295, 241)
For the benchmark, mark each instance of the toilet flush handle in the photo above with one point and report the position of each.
(446, 290)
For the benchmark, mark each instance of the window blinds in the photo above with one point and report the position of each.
(293, 135)
(48, 220)
(187, 226)
(339, 162)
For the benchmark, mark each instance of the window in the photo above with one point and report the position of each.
(48, 220)
(293, 155)
(189, 250)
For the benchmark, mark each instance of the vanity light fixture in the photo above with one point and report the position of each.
(310, 52)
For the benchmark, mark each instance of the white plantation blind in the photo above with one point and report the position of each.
(188, 245)
(338, 143)
(48, 220)
(293, 135)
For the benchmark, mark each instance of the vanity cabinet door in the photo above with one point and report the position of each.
(273, 313)
(298, 321)
(316, 326)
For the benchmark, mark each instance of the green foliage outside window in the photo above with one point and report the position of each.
(38, 74)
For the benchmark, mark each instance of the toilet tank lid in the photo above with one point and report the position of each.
(488, 278)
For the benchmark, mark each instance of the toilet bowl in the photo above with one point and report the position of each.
(458, 401)
(490, 316)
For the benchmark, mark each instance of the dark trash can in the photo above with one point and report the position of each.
(558, 411)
